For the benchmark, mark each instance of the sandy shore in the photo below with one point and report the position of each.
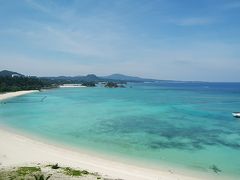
(17, 149)
(14, 94)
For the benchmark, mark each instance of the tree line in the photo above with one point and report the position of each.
(10, 84)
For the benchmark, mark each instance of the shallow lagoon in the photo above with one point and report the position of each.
(185, 124)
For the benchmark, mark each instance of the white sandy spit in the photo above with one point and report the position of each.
(14, 94)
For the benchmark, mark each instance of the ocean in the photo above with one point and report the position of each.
(181, 124)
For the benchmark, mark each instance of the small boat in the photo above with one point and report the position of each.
(236, 114)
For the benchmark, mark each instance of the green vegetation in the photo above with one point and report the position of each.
(111, 85)
(88, 84)
(20, 173)
(41, 177)
(51, 171)
(74, 172)
(23, 171)
(80, 79)
(13, 81)
(9, 84)
(9, 73)
(114, 85)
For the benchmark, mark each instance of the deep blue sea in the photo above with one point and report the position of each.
(189, 125)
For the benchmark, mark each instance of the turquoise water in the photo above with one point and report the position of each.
(185, 124)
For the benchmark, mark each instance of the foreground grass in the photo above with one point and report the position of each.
(72, 172)
(20, 173)
(46, 172)
(23, 171)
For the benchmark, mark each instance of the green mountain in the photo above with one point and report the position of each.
(123, 77)
(119, 78)
(6, 73)
(74, 79)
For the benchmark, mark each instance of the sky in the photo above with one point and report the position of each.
(162, 39)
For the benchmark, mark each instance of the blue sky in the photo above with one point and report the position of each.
(164, 39)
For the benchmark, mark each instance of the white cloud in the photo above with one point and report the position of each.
(74, 43)
(41, 66)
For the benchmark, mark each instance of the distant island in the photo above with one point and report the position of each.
(121, 77)
(13, 81)
(113, 85)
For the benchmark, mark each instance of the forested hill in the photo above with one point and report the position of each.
(13, 81)
(9, 84)
(6, 73)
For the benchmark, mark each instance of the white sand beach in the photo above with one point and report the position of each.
(14, 94)
(17, 150)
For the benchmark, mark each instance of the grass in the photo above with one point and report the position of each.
(41, 177)
(23, 171)
(70, 171)
(74, 172)
(36, 173)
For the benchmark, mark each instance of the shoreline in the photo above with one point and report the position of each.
(9, 95)
(18, 149)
